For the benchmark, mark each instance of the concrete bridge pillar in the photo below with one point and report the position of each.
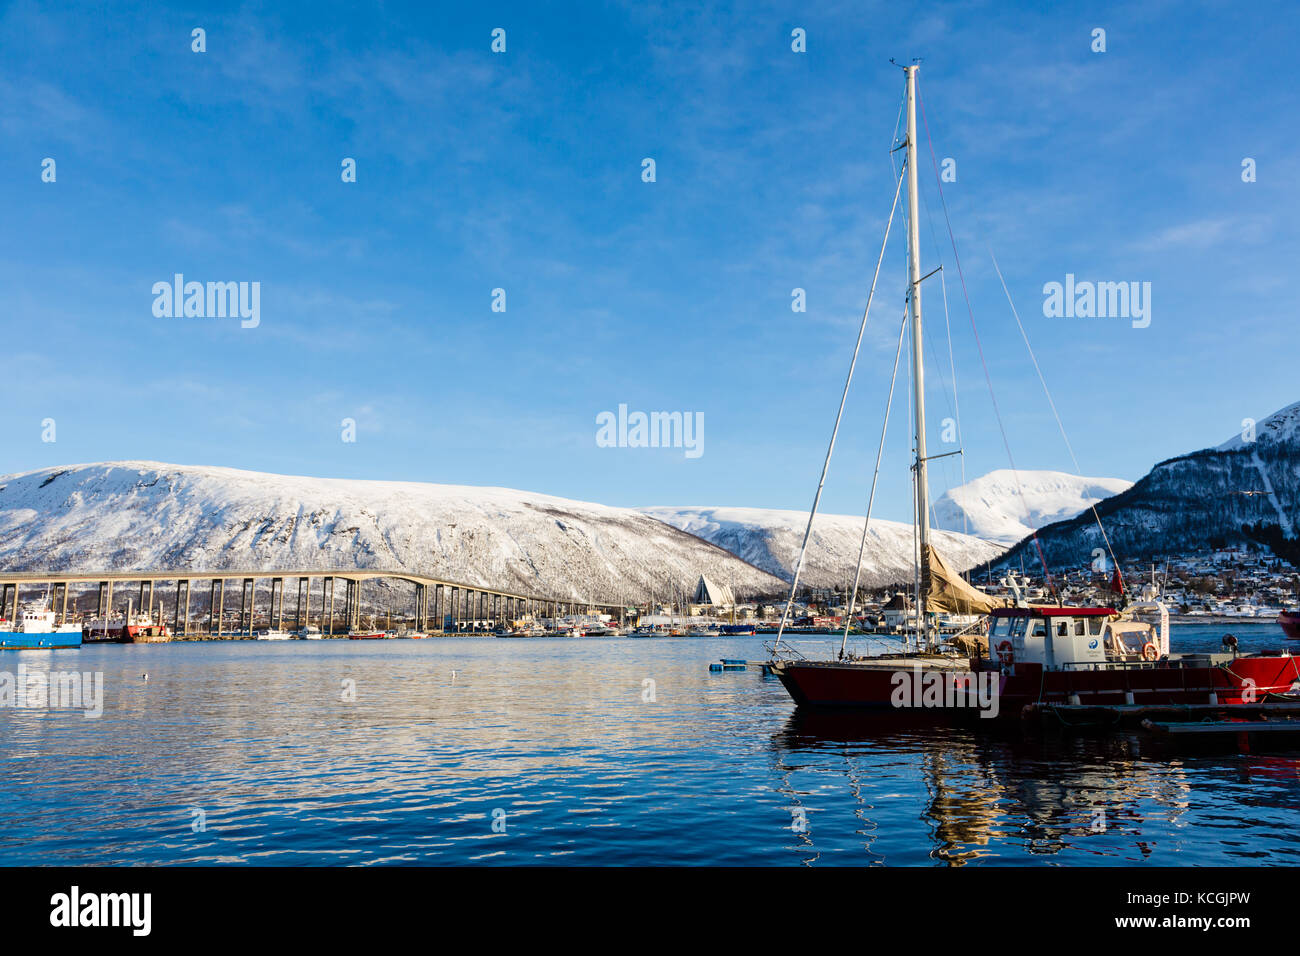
(4, 600)
(277, 602)
(247, 602)
(421, 608)
(221, 608)
(354, 604)
(181, 619)
(327, 584)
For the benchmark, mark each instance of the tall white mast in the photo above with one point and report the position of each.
(918, 370)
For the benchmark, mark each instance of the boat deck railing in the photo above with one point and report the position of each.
(1164, 663)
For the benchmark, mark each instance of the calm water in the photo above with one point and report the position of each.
(556, 733)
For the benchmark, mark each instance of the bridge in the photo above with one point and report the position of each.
(455, 606)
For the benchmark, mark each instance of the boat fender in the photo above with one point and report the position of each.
(1150, 652)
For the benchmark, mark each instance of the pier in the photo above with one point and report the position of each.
(333, 600)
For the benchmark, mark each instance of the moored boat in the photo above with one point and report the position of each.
(128, 628)
(38, 628)
(1043, 655)
(732, 630)
(1034, 653)
(1290, 623)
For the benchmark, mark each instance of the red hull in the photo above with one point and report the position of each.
(850, 685)
(1290, 621)
(127, 634)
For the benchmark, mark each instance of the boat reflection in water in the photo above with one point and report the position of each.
(998, 797)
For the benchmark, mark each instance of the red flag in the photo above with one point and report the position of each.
(1116, 582)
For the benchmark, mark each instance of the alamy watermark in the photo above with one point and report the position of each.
(215, 300)
(946, 689)
(1099, 300)
(651, 430)
(56, 690)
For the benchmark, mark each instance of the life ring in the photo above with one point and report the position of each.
(1150, 652)
(1005, 653)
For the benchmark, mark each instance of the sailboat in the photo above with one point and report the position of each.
(1034, 653)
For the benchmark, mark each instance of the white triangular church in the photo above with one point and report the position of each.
(706, 592)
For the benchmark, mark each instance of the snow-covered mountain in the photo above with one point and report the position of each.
(770, 539)
(148, 516)
(1004, 506)
(1280, 428)
(1239, 491)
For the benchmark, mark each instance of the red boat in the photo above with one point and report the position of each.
(1082, 655)
(367, 635)
(125, 629)
(1034, 653)
(1290, 621)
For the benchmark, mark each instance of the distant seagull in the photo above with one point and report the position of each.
(145, 676)
(1248, 494)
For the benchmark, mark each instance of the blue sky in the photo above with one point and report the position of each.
(522, 171)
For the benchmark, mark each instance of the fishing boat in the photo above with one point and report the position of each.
(272, 634)
(408, 634)
(366, 634)
(38, 627)
(133, 627)
(1034, 652)
(309, 633)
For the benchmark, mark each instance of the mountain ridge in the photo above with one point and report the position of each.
(1239, 492)
(155, 516)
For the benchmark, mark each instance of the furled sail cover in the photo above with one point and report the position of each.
(947, 592)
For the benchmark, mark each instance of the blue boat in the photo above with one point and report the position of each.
(22, 641)
(38, 629)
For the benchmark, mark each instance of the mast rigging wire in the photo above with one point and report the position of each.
(803, 549)
(1006, 444)
(1066, 438)
(857, 576)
